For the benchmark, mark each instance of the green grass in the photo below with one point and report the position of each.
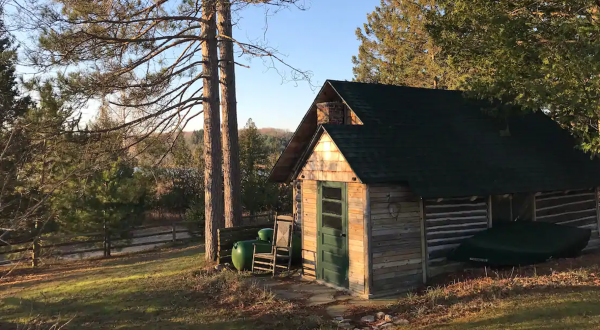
(564, 310)
(173, 289)
(164, 289)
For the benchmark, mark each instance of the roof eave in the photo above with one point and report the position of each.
(270, 178)
(300, 164)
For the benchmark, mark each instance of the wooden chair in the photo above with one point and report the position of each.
(281, 248)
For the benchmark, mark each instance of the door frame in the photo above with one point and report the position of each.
(346, 250)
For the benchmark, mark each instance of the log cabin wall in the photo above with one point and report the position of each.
(573, 208)
(326, 163)
(447, 223)
(395, 239)
(297, 201)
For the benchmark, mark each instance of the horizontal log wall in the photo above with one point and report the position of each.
(356, 244)
(297, 201)
(396, 239)
(447, 223)
(326, 163)
(574, 208)
(309, 228)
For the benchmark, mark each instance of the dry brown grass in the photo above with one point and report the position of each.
(474, 292)
(233, 290)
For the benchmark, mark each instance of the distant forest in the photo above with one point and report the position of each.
(276, 138)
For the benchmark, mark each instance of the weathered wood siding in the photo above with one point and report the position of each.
(574, 208)
(309, 227)
(395, 239)
(351, 118)
(447, 223)
(326, 163)
(356, 243)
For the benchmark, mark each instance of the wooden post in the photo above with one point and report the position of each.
(367, 232)
(35, 252)
(489, 211)
(424, 252)
(510, 198)
(597, 208)
(174, 231)
(106, 243)
(533, 207)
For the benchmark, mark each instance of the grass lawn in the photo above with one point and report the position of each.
(560, 310)
(164, 289)
(562, 294)
(172, 289)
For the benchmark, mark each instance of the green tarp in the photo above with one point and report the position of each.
(522, 243)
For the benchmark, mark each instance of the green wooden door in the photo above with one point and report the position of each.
(332, 227)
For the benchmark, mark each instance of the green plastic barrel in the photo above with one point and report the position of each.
(241, 254)
(266, 234)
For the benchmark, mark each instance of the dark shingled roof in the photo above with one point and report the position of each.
(445, 145)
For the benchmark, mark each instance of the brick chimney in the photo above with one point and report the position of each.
(331, 113)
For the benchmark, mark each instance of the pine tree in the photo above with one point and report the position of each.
(254, 161)
(114, 195)
(396, 47)
(143, 56)
(538, 55)
(231, 157)
(213, 194)
(15, 153)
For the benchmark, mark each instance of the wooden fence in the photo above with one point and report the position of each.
(248, 231)
(109, 240)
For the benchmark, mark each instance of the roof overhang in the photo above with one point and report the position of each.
(286, 166)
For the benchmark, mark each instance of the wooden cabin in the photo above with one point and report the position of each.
(388, 179)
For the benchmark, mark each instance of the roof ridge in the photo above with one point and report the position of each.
(392, 85)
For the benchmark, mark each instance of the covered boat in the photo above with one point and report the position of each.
(522, 243)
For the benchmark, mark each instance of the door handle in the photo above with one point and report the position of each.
(342, 235)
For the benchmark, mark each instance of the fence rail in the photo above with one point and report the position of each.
(55, 246)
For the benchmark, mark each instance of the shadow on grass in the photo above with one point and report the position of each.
(66, 271)
(151, 290)
(152, 309)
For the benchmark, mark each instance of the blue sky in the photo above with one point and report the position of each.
(320, 39)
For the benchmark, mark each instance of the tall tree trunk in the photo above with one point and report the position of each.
(231, 148)
(213, 183)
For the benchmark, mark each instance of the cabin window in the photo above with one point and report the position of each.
(514, 207)
(332, 207)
